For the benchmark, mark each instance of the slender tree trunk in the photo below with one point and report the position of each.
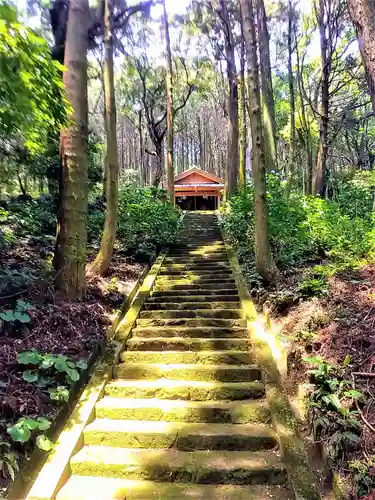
(103, 259)
(263, 256)
(142, 150)
(70, 253)
(319, 174)
(292, 102)
(159, 164)
(308, 145)
(362, 13)
(169, 84)
(268, 104)
(232, 151)
(242, 109)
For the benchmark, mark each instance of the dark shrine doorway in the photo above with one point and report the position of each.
(197, 202)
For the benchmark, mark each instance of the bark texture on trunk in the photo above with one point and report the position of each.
(242, 109)
(362, 13)
(232, 151)
(268, 103)
(70, 253)
(292, 101)
(103, 259)
(263, 256)
(318, 185)
(169, 85)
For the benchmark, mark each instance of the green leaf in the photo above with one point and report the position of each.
(73, 375)
(30, 376)
(10, 469)
(22, 317)
(350, 436)
(43, 423)
(82, 364)
(353, 394)
(24, 306)
(313, 360)
(44, 443)
(346, 360)
(29, 358)
(19, 434)
(7, 316)
(333, 400)
(31, 423)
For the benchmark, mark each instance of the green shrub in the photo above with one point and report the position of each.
(301, 227)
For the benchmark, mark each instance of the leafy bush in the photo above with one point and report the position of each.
(146, 221)
(301, 227)
(24, 428)
(8, 461)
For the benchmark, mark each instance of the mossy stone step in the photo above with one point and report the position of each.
(185, 389)
(195, 313)
(234, 412)
(195, 292)
(196, 266)
(187, 344)
(201, 282)
(199, 332)
(213, 303)
(189, 357)
(162, 288)
(95, 488)
(199, 467)
(179, 435)
(197, 259)
(192, 298)
(222, 373)
(207, 273)
(191, 322)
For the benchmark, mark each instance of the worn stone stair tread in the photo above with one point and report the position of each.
(212, 357)
(186, 306)
(185, 436)
(186, 343)
(198, 287)
(199, 467)
(103, 488)
(190, 332)
(241, 412)
(182, 371)
(173, 299)
(192, 295)
(193, 313)
(191, 322)
(185, 389)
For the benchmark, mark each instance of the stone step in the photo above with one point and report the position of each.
(222, 373)
(198, 467)
(166, 287)
(200, 332)
(195, 266)
(208, 273)
(197, 259)
(101, 488)
(213, 303)
(234, 412)
(229, 357)
(185, 390)
(200, 282)
(195, 292)
(192, 322)
(179, 435)
(176, 298)
(186, 344)
(197, 313)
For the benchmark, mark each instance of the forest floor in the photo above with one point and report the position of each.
(75, 330)
(338, 326)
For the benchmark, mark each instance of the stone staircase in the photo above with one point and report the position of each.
(185, 416)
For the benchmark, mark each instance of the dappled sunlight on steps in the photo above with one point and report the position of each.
(185, 416)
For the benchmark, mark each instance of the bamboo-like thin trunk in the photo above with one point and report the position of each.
(169, 84)
(243, 113)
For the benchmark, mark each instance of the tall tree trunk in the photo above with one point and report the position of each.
(305, 124)
(263, 256)
(103, 259)
(292, 102)
(268, 104)
(362, 13)
(70, 252)
(169, 84)
(142, 150)
(232, 151)
(319, 174)
(159, 164)
(242, 109)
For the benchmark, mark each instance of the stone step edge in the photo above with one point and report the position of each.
(98, 488)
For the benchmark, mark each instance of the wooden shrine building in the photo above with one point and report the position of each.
(196, 189)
